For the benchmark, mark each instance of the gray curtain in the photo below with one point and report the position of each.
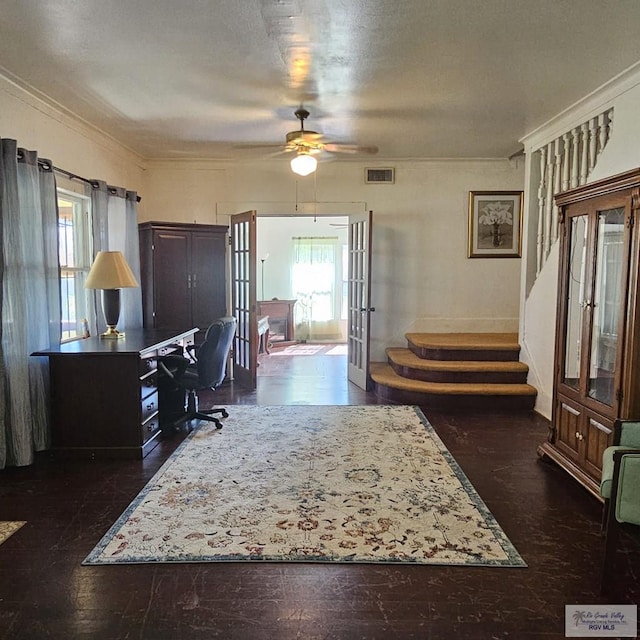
(115, 228)
(132, 298)
(100, 237)
(29, 300)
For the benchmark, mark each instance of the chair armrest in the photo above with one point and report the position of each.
(166, 371)
(173, 365)
(192, 352)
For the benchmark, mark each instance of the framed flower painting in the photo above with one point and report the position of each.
(495, 224)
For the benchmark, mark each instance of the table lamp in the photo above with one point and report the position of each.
(110, 272)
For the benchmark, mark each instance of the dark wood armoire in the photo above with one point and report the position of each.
(184, 274)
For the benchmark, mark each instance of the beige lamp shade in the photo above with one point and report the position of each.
(110, 271)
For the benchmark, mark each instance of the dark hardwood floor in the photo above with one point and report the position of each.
(68, 506)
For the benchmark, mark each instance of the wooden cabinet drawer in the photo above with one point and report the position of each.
(148, 385)
(150, 428)
(148, 364)
(149, 406)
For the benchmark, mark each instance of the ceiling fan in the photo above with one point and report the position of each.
(306, 144)
(311, 141)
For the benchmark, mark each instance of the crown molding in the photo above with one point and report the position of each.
(35, 99)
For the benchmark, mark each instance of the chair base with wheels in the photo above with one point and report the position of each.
(193, 412)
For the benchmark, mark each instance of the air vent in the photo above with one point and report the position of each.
(379, 176)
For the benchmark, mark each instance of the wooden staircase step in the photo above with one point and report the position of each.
(408, 365)
(465, 346)
(395, 388)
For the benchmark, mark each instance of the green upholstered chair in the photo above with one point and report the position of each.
(620, 488)
(629, 439)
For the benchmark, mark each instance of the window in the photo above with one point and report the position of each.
(74, 248)
(319, 286)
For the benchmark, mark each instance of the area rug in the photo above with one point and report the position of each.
(338, 350)
(298, 350)
(8, 528)
(310, 483)
(306, 349)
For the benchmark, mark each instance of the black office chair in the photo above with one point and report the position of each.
(204, 369)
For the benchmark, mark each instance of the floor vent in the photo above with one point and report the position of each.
(379, 176)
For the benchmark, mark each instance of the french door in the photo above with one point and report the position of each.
(359, 296)
(243, 298)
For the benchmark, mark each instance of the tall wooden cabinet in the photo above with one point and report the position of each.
(597, 373)
(183, 271)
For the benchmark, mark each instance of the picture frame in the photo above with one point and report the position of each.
(495, 224)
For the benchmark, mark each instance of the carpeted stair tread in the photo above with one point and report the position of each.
(407, 358)
(465, 346)
(467, 341)
(383, 374)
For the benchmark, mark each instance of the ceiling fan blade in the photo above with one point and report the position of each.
(334, 147)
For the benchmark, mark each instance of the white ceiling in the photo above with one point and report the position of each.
(417, 78)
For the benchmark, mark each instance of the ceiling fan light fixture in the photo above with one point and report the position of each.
(303, 164)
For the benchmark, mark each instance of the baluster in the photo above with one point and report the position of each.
(566, 160)
(575, 156)
(541, 194)
(548, 209)
(584, 153)
(557, 168)
(593, 143)
(602, 132)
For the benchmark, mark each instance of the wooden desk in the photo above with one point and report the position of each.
(280, 314)
(107, 399)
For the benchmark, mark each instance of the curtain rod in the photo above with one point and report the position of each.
(314, 237)
(72, 176)
(47, 165)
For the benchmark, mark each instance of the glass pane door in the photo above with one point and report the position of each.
(576, 299)
(605, 305)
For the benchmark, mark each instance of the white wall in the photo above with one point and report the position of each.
(622, 153)
(69, 143)
(422, 278)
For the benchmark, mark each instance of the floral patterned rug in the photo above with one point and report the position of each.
(8, 528)
(310, 483)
